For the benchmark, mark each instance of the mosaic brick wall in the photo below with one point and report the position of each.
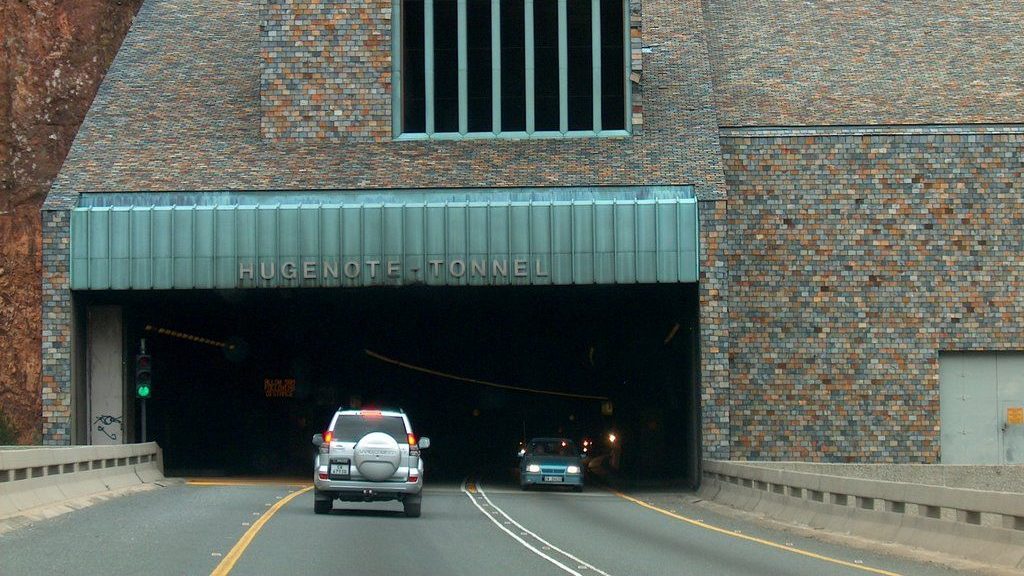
(853, 259)
(56, 315)
(714, 330)
(190, 120)
(326, 69)
(860, 62)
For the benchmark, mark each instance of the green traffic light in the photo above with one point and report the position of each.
(143, 375)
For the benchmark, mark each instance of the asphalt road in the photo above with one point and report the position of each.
(479, 527)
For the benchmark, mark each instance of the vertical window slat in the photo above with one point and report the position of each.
(595, 28)
(530, 65)
(398, 54)
(496, 66)
(511, 67)
(463, 66)
(563, 67)
(428, 62)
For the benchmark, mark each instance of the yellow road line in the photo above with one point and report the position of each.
(247, 483)
(228, 562)
(706, 526)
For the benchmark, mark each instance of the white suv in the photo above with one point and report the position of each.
(368, 456)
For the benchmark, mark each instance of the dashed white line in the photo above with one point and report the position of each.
(523, 531)
(538, 538)
(525, 544)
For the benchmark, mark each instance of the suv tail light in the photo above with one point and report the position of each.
(412, 439)
(328, 436)
(414, 474)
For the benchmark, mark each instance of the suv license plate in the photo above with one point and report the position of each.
(552, 478)
(339, 469)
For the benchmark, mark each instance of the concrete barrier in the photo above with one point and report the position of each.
(38, 476)
(981, 525)
(991, 478)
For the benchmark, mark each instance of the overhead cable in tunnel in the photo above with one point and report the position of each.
(189, 337)
(671, 333)
(438, 373)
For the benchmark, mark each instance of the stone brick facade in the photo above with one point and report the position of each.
(57, 328)
(190, 120)
(853, 259)
(866, 62)
(714, 330)
(326, 69)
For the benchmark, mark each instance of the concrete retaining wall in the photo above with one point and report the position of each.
(976, 477)
(32, 477)
(985, 526)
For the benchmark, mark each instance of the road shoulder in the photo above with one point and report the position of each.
(674, 500)
(53, 510)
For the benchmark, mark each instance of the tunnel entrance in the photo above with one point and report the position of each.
(243, 378)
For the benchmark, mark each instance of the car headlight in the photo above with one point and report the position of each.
(533, 468)
(572, 470)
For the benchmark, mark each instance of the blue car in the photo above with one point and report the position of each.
(551, 462)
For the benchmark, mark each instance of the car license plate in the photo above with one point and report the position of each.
(339, 468)
(552, 478)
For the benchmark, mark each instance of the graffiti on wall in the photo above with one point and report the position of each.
(109, 425)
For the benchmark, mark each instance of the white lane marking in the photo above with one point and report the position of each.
(552, 494)
(517, 538)
(547, 544)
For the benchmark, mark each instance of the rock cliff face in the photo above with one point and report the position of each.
(53, 55)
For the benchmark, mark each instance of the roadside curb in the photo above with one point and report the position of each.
(912, 553)
(54, 509)
(976, 525)
(38, 477)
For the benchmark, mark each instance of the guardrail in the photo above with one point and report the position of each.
(985, 477)
(983, 525)
(37, 476)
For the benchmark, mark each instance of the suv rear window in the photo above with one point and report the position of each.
(352, 427)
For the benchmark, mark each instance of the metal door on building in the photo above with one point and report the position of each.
(981, 396)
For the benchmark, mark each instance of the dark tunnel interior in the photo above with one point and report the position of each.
(478, 369)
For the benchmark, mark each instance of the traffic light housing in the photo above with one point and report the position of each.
(143, 376)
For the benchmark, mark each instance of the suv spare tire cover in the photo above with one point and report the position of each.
(377, 456)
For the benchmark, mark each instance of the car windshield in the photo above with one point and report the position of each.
(553, 447)
(352, 427)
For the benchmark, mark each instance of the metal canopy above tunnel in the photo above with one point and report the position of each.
(534, 236)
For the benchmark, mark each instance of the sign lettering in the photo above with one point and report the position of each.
(279, 387)
(1015, 416)
(376, 271)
